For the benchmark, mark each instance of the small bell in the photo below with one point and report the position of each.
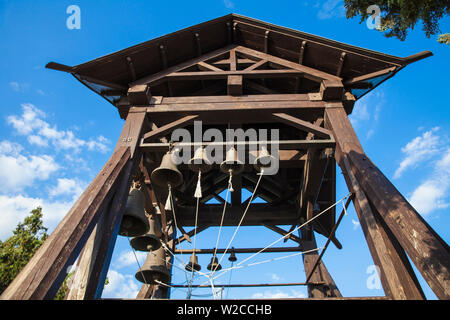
(149, 241)
(134, 221)
(154, 268)
(200, 161)
(167, 173)
(193, 264)
(232, 164)
(214, 264)
(264, 159)
(232, 256)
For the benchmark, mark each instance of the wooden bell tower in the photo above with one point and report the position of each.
(237, 72)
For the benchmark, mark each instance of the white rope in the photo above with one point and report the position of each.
(220, 228)
(195, 237)
(242, 218)
(287, 234)
(137, 261)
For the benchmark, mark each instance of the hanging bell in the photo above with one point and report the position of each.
(193, 264)
(264, 159)
(200, 161)
(232, 256)
(149, 241)
(214, 264)
(232, 164)
(134, 221)
(167, 173)
(154, 268)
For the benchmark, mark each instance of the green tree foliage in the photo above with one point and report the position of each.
(17, 250)
(397, 17)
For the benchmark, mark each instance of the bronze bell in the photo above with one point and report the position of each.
(167, 173)
(200, 161)
(154, 268)
(232, 164)
(149, 241)
(134, 221)
(263, 160)
(232, 256)
(214, 264)
(193, 264)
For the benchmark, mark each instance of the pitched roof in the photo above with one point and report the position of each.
(111, 75)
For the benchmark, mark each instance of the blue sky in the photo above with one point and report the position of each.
(55, 134)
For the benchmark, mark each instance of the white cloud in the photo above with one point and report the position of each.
(331, 9)
(433, 193)
(127, 258)
(19, 87)
(418, 150)
(37, 140)
(39, 132)
(120, 286)
(18, 171)
(228, 3)
(277, 294)
(11, 148)
(67, 186)
(355, 223)
(15, 209)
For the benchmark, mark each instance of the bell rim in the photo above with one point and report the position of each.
(161, 184)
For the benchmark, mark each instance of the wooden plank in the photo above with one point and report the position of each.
(139, 95)
(396, 275)
(321, 273)
(240, 250)
(256, 65)
(211, 75)
(283, 144)
(93, 263)
(132, 129)
(283, 232)
(426, 249)
(160, 75)
(310, 73)
(228, 99)
(207, 67)
(169, 127)
(234, 85)
(302, 125)
(46, 270)
(365, 77)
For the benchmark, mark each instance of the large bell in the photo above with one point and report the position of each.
(134, 221)
(149, 241)
(232, 256)
(264, 159)
(232, 164)
(200, 161)
(167, 173)
(154, 268)
(193, 264)
(214, 264)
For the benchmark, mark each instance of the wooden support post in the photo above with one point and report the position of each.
(426, 249)
(93, 263)
(320, 274)
(46, 270)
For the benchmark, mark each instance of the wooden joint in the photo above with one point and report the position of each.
(331, 90)
(234, 85)
(139, 95)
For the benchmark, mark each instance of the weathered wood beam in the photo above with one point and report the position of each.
(353, 81)
(301, 54)
(396, 275)
(331, 90)
(240, 250)
(210, 75)
(426, 249)
(283, 144)
(139, 95)
(169, 127)
(310, 73)
(160, 75)
(234, 85)
(207, 67)
(256, 65)
(302, 125)
(46, 270)
(282, 232)
(341, 64)
(320, 274)
(191, 233)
